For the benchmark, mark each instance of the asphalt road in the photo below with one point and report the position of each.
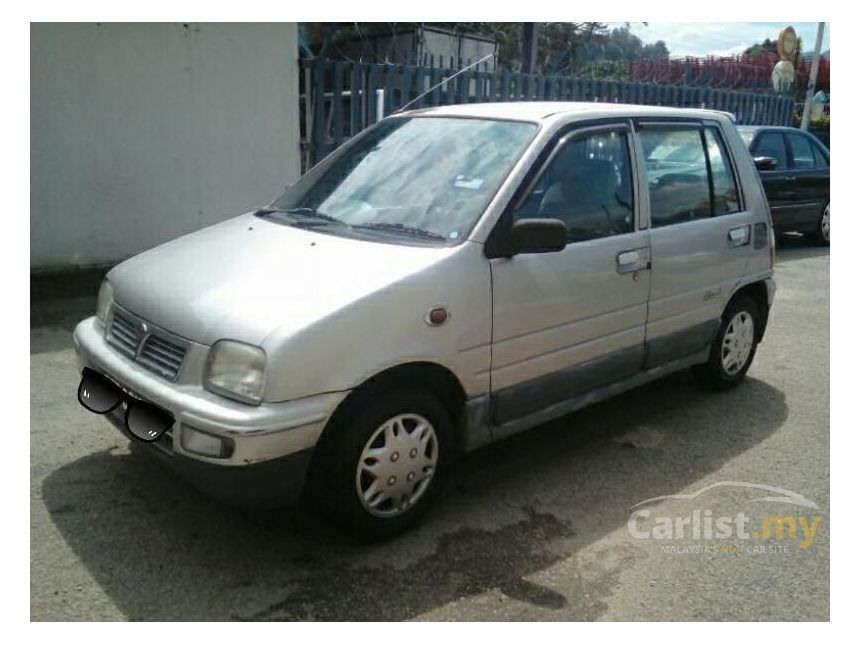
(536, 529)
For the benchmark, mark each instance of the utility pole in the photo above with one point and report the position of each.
(529, 47)
(813, 74)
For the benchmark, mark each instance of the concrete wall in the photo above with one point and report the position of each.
(142, 132)
(408, 47)
(458, 47)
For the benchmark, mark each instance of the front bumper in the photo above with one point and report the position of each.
(258, 433)
(269, 484)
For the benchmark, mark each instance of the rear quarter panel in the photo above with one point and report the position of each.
(759, 263)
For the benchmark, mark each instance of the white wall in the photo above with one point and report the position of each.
(142, 132)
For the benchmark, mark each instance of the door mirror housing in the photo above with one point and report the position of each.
(765, 163)
(538, 236)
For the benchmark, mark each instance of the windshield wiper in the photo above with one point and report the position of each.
(401, 228)
(313, 213)
(265, 212)
(309, 215)
(313, 217)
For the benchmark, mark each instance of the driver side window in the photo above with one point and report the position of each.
(588, 185)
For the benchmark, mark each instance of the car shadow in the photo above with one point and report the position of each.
(793, 246)
(162, 551)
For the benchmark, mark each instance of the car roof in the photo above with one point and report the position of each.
(755, 129)
(538, 111)
(776, 128)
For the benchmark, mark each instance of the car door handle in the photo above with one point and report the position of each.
(739, 236)
(632, 260)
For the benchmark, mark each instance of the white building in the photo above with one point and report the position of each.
(142, 132)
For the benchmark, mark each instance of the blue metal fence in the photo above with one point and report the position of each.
(339, 99)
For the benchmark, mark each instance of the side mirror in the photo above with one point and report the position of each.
(538, 236)
(765, 163)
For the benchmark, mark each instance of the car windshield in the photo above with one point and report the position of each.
(426, 178)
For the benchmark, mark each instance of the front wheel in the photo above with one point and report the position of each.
(734, 347)
(387, 463)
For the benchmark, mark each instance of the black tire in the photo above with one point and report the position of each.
(335, 492)
(821, 236)
(713, 374)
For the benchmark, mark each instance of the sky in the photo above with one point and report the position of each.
(721, 38)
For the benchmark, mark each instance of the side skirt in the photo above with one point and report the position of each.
(479, 431)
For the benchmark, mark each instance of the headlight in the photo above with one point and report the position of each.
(236, 370)
(105, 301)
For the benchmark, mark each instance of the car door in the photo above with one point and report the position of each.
(570, 321)
(778, 183)
(811, 178)
(700, 235)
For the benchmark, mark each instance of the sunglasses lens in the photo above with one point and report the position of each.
(96, 393)
(147, 422)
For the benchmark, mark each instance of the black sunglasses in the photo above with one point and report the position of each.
(143, 420)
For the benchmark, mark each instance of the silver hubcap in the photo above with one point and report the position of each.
(825, 223)
(737, 342)
(396, 465)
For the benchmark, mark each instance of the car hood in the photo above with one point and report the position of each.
(246, 277)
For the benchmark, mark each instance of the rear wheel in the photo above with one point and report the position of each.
(734, 348)
(821, 235)
(387, 464)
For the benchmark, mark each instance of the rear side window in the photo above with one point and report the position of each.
(677, 175)
(801, 151)
(820, 160)
(771, 144)
(726, 198)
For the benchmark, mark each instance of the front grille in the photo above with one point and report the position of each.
(157, 350)
(124, 334)
(161, 356)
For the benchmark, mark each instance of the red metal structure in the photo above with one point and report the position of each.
(725, 72)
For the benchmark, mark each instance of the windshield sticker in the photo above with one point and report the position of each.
(472, 183)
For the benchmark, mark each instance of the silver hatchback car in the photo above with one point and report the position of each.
(449, 277)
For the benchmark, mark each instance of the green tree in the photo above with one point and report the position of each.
(607, 70)
(767, 46)
(655, 50)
